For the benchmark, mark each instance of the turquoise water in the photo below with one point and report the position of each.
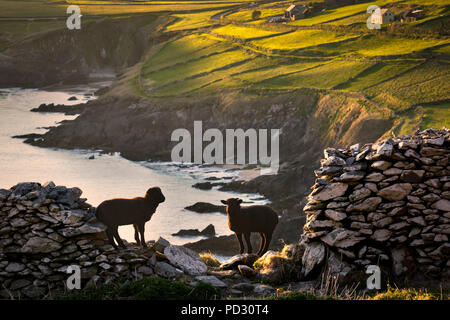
(106, 176)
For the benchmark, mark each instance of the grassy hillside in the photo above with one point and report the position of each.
(217, 46)
(332, 49)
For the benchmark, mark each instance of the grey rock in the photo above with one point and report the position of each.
(396, 192)
(165, 270)
(186, 259)
(212, 280)
(443, 205)
(241, 259)
(40, 245)
(313, 257)
(263, 290)
(331, 191)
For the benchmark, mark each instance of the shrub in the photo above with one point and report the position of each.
(256, 14)
(209, 259)
(403, 294)
(147, 288)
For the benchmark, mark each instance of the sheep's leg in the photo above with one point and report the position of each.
(247, 240)
(263, 242)
(266, 245)
(141, 227)
(110, 236)
(241, 244)
(117, 237)
(136, 234)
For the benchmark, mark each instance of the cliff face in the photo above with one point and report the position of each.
(385, 204)
(97, 50)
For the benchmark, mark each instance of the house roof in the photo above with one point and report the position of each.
(297, 6)
(381, 12)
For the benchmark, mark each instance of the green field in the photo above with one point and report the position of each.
(325, 76)
(301, 39)
(331, 49)
(242, 32)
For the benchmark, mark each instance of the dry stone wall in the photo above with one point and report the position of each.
(385, 204)
(44, 229)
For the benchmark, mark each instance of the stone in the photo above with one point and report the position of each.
(70, 196)
(40, 245)
(395, 192)
(374, 177)
(418, 221)
(313, 257)
(337, 267)
(161, 244)
(144, 270)
(429, 151)
(367, 205)
(443, 205)
(263, 290)
(89, 228)
(342, 238)
(404, 145)
(246, 271)
(383, 222)
(402, 261)
(18, 284)
(333, 161)
(18, 223)
(331, 191)
(165, 270)
(212, 280)
(381, 235)
(412, 176)
(352, 176)
(241, 259)
(335, 215)
(185, 259)
(359, 194)
(384, 149)
(15, 267)
(381, 165)
(392, 172)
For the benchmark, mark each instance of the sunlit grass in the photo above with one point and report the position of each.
(209, 259)
(195, 67)
(379, 72)
(324, 76)
(182, 50)
(424, 84)
(193, 20)
(242, 32)
(301, 39)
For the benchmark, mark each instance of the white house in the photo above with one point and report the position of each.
(382, 16)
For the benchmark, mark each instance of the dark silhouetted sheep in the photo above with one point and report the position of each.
(245, 220)
(136, 211)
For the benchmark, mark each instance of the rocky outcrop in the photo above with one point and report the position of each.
(386, 204)
(44, 229)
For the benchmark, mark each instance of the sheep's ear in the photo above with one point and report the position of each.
(240, 200)
(224, 202)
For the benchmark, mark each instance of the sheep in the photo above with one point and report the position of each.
(245, 220)
(136, 211)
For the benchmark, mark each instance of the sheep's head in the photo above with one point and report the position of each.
(155, 194)
(233, 204)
